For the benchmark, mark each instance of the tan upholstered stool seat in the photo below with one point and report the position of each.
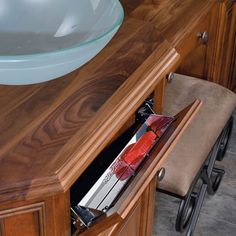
(193, 147)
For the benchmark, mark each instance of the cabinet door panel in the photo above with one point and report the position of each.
(140, 219)
(195, 62)
(25, 220)
(132, 224)
(25, 224)
(42, 217)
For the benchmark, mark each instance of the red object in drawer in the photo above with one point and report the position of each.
(135, 153)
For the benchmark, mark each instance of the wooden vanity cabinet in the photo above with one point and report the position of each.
(184, 23)
(64, 125)
(215, 60)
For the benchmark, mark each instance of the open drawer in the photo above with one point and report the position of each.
(127, 200)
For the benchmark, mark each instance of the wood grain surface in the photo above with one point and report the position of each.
(179, 21)
(50, 134)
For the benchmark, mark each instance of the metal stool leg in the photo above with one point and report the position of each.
(195, 215)
(225, 136)
(185, 212)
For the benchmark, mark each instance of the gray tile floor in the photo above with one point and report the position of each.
(218, 214)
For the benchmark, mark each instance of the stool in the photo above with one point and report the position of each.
(190, 171)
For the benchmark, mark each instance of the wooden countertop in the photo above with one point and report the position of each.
(51, 132)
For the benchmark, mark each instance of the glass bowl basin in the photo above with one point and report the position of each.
(41, 40)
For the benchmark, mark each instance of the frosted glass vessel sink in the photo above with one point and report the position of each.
(42, 40)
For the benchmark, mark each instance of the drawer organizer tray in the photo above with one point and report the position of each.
(98, 193)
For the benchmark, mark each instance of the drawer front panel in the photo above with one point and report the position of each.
(128, 201)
